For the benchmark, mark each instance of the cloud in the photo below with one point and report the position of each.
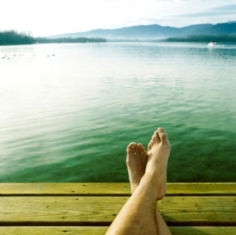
(228, 8)
(223, 10)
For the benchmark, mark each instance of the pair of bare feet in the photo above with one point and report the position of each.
(147, 175)
(153, 162)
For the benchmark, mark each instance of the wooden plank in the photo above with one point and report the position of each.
(59, 209)
(201, 189)
(101, 230)
(203, 230)
(53, 230)
(204, 209)
(64, 189)
(79, 210)
(112, 189)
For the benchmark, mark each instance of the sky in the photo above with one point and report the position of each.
(51, 17)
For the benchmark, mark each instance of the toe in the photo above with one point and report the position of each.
(149, 146)
(139, 146)
(141, 149)
(157, 137)
(163, 135)
(161, 130)
(131, 148)
(143, 155)
(154, 140)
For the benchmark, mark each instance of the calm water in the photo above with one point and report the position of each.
(68, 111)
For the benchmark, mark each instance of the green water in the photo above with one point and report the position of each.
(68, 111)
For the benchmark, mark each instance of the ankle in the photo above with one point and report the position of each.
(156, 182)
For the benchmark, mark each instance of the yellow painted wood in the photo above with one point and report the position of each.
(112, 189)
(101, 230)
(205, 209)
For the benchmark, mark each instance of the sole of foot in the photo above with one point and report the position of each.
(158, 155)
(136, 161)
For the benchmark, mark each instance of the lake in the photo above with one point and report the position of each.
(68, 111)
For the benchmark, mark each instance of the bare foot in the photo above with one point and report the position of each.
(158, 155)
(136, 163)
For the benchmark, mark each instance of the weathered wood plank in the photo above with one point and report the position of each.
(201, 188)
(202, 230)
(189, 209)
(215, 209)
(112, 189)
(48, 189)
(53, 230)
(60, 209)
(101, 230)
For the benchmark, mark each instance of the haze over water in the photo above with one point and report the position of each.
(68, 111)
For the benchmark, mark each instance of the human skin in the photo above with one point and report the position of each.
(147, 174)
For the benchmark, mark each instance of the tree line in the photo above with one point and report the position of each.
(14, 38)
(204, 38)
(69, 40)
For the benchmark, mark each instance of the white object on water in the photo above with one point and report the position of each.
(211, 44)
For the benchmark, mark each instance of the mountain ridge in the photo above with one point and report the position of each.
(155, 31)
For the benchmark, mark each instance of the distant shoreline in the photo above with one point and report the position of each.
(192, 38)
(11, 38)
(203, 38)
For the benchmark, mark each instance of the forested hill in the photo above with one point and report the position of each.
(14, 38)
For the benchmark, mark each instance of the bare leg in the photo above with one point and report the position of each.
(161, 225)
(136, 164)
(152, 149)
(138, 214)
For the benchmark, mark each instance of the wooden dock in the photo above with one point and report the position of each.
(89, 208)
